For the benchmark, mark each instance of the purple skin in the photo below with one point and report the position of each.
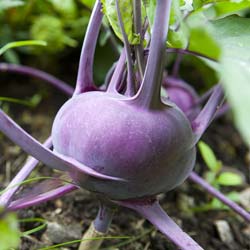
(131, 128)
(112, 124)
(182, 94)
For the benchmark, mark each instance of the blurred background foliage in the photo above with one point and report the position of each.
(62, 24)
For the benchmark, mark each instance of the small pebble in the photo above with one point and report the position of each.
(245, 198)
(224, 231)
(58, 233)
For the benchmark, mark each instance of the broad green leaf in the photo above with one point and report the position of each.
(88, 3)
(209, 157)
(201, 37)
(178, 34)
(12, 45)
(233, 33)
(7, 4)
(225, 8)
(201, 41)
(10, 235)
(126, 8)
(230, 179)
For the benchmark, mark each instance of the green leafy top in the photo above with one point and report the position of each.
(126, 8)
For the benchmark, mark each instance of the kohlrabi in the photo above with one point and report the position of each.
(127, 144)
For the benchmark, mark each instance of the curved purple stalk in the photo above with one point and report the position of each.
(184, 52)
(201, 182)
(13, 186)
(153, 212)
(108, 77)
(130, 91)
(176, 66)
(26, 70)
(205, 117)
(85, 80)
(40, 198)
(118, 74)
(38, 151)
(149, 93)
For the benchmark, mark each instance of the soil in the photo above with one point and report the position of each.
(80, 207)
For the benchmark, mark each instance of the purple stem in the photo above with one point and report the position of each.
(38, 199)
(138, 30)
(85, 80)
(130, 80)
(25, 171)
(205, 117)
(118, 74)
(103, 218)
(38, 151)
(201, 182)
(184, 52)
(26, 70)
(176, 67)
(153, 212)
(149, 93)
(108, 77)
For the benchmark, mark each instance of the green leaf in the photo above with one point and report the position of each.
(233, 33)
(88, 3)
(201, 37)
(230, 179)
(126, 7)
(12, 45)
(66, 8)
(150, 6)
(33, 102)
(7, 4)
(234, 196)
(217, 204)
(50, 29)
(10, 235)
(43, 223)
(209, 157)
(224, 8)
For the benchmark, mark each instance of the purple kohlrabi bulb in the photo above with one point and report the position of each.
(182, 94)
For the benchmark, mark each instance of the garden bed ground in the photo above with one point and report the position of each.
(74, 212)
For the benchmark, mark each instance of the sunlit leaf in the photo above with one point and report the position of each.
(126, 8)
(230, 179)
(224, 8)
(233, 33)
(209, 157)
(10, 235)
(7, 4)
(16, 44)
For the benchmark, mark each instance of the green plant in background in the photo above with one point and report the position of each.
(10, 234)
(218, 176)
